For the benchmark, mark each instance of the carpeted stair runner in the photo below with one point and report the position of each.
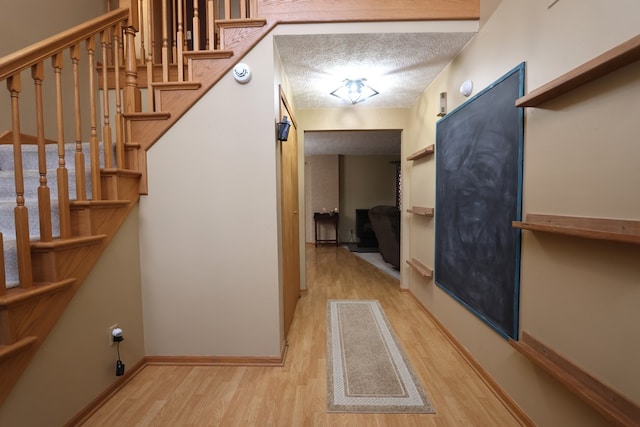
(31, 184)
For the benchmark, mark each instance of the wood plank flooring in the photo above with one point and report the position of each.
(295, 394)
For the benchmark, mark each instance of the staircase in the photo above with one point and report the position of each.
(65, 201)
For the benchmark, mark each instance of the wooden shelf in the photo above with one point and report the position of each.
(610, 61)
(422, 153)
(618, 230)
(611, 404)
(420, 268)
(417, 210)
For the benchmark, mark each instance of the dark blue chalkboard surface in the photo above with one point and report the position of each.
(478, 194)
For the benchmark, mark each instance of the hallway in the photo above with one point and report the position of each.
(294, 395)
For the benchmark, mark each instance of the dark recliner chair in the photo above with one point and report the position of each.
(385, 221)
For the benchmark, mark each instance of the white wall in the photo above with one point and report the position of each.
(579, 297)
(209, 227)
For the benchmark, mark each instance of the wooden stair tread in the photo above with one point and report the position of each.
(176, 85)
(6, 137)
(68, 242)
(242, 22)
(10, 350)
(83, 204)
(117, 171)
(143, 116)
(209, 54)
(19, 295)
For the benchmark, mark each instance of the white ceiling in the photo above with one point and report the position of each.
(398, 65)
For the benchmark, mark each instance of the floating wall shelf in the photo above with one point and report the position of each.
(617, 230)
(417, 210)
(422, 153)
(422, 269)
(610, 61)
(611, 404)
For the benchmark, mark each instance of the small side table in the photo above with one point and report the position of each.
(326, 218)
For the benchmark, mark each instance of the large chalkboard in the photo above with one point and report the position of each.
(478, 194)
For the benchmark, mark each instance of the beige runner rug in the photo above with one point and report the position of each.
(367, 371)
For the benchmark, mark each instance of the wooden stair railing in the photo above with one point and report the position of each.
(54, 258)
(175, 70)
(53, 264)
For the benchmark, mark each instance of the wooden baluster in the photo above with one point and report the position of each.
(121, 42)
(185, 44)
(150, 54)
(81, 185)
(44, 193)
(150, 93)
(131, 91)
(119, 120)
(227, 9)
(3, 278)
(151, 26)
(165, 43)
(143, 36)
(107, 142)
(110, 50)
(21, 213)
(243, 8)
(253, 6)
(62, 173)
(173, 31)
(94, 149)
(211, 25)
(180, 43)
(196, 26)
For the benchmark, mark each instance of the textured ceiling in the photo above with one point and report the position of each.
(398, 65)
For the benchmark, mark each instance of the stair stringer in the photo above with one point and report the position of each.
(60, 267)
(204, 70)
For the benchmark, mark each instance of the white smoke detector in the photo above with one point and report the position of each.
(242, 73)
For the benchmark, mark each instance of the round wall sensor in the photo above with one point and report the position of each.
(242, 73)
(466, 88)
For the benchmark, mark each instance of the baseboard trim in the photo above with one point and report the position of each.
(498, 391)
(274, 361)
(103, 397)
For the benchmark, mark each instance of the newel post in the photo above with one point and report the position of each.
(132, 100)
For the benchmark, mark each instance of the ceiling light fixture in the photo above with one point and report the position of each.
(354, 91)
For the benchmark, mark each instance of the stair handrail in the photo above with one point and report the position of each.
(119, 23)
(22, 59)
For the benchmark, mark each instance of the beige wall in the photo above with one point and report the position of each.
(578, 296)
(23, 23)
(209, 227)
(365, 181)
(321, 193)
(76, 362)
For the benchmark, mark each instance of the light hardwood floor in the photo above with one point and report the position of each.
(295, 394)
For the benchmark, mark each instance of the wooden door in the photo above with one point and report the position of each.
(290, 219)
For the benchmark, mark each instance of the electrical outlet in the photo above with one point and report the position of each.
(111, 328)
